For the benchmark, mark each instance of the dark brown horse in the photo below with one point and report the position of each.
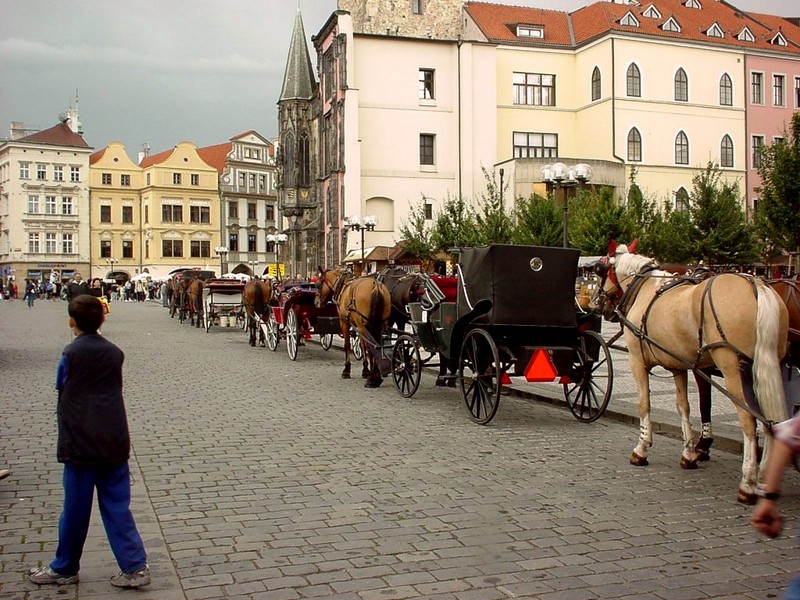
(194, 292)
(256, 297)
(363, 302)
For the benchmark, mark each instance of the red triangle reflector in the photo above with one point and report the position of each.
(505, 379)
(541, 367)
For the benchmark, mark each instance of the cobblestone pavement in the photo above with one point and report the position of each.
(261, 478)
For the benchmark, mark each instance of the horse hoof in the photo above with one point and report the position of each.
(746, 498)
(687, 464)
(451, 382)
(639, 461)
(440, 382)
(345, 375)
(702, 455)
(372, 384)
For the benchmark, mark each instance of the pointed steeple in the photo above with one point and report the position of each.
(299, 82)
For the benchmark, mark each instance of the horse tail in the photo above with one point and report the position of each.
(258, 299)
(767, 382)
(375, 322)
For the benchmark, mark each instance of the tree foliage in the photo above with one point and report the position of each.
(418, 234)
(493, 224)
(594, 219)
(454, 226)
(538, 222)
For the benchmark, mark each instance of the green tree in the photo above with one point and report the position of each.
(780, 187)
(454, 226)
(670, 236)
(417, 235)
(596, 218)
(538, 222)
(493, 223)
(721, 232)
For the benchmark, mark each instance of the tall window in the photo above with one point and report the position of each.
(127, 249)
(416, 6)
(75, 174)
(49, 205)
(125, 180)
(270, 212)
(176, 178)
(233, 242)
(426, 148)
(67, 246)
(66, 205)
(105, 178)
(105, 248)
(172, 213)
(233, 209)
(535, 145)
(426, 84)
(757, 88)
(58, 173)
(726, 151)
(251, 243)
(251, 210)
(303, 160)
(200, 248)
(33, 243)
(194, 179)
(50, 243)
(596, 87)
(797, 92)
(757, 143)
(24, 170)
(41, 172)
(105, 214)
(725, 90)
(535, 89)
(199, 214)
(681, 86)
(634, 145)
(127, 214)
(33, 204)
(172, 248)
(779, 90)
(681, 149)
(682, 200)
(633, 81)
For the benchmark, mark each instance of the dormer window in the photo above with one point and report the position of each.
(629, 20)
(745, 35)
(671, 25)
(652, 12)
(778, 40)
(693, 4)
(715, 31)
(530, 31)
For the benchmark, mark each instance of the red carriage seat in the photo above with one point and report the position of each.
(448, 285)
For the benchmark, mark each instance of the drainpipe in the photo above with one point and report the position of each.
(458, 53)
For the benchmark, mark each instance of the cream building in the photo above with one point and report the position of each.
(44, 201)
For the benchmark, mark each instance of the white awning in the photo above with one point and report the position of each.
(355, 255)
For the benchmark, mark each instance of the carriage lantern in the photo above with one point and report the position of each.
(560, 175)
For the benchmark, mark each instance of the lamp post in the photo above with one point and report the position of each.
(111, 262)
(356, 223)
(502, 172)
(278, 239)
(560, 176)
(222, 252)
(253, 267)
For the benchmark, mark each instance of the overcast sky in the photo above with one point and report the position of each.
(162, 72)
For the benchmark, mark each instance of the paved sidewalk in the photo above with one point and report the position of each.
(261, 478)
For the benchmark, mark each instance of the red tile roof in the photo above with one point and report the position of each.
(216, 156)
(499, 23)
(97, 156)
(149, 161)
(60, 135)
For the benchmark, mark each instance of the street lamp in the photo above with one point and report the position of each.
(254, 267)
(111, 262)
(355, 222)
(559, 176)
(278, 239)
(222, 252)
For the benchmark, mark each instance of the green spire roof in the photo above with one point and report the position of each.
(299, 82)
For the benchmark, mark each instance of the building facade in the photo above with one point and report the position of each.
(44, 202)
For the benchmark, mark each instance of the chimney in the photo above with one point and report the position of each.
(17, 130)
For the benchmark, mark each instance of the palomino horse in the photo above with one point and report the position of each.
(363, 302)
(719, 322)
(256, 297)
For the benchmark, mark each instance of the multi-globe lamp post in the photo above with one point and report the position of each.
(357, 223)
(222, 252)
(278, 239)
(561, 176)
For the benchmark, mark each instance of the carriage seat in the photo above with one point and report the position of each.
(448, 285)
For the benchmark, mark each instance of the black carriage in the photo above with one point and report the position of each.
(512, 318)
(294, 318)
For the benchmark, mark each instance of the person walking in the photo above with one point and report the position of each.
(767, 518)
(94, 446)
(76, 287)
(30, 292)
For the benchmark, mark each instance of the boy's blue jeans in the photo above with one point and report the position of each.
(113, 497)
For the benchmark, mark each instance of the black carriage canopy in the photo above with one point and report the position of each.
(527, 285)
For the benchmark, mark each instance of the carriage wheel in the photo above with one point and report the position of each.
(241, 320)
(478, 375)
(355, 345)
(272, 332)
(326, 341)
(209, 317)
(592, 378)
(406, 366)
(292, 333)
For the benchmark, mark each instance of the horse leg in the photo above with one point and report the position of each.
(366, 360)
(251, 330)
(706, 432)
(689, 455)
(346, 335)
(640, 376)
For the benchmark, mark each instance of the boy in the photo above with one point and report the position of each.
(94, 445)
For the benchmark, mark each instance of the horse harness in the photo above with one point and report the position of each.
(337, 288)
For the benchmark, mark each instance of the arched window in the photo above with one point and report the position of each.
(596, 88)
(725, 90)
(681, 86)
(304, 161)
(288, 161)
(634, 81)
(681, 149)
(634, 145)
(726, 151)
(682, 199)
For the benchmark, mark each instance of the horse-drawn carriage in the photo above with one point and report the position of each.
(186, 287)
(222, 303)
(514, 317)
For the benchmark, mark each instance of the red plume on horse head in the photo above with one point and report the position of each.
(612, 247)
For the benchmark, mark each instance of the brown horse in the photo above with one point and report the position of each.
(256, 297)
(365, 303)
(719, 322)
(194, 291)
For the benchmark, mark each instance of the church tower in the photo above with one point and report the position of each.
(296, 155)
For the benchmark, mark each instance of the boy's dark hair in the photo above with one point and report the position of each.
(87, 312)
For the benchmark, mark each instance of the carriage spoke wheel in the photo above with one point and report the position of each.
(272, 332)
(355, 345)
(406, 366)
(326, 341)
(292, 333)
(478, 375)
(592, 378)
